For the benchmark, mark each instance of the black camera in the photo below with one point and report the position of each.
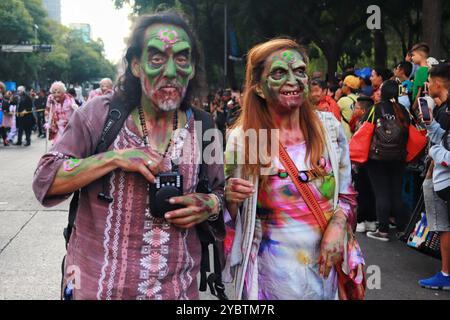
(167, 185)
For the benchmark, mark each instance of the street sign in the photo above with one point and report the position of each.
(20, 48)
(17, 48)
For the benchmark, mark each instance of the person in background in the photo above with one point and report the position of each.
(234, 108)
(24, 116)
(73, 94)
(365, 83)
(347, 103)
(436, 189)
(222, 111)
(9, 116)
(419, 54)
(59, 110)
(40, 104)
(320, 99)
(106, 88)
(78, 93)
(387, 160)
(379, 75)
(334, 91)
(4, 110)
(366, 213)
(403, 72)
(362, 106)
(408, 58)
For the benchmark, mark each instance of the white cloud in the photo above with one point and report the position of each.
(107, 23)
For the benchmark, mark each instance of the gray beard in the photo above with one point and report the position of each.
(169, 105)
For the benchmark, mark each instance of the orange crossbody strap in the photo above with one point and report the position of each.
(303, 188)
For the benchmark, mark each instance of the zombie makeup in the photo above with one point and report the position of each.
(166, 66)
(286, 82)
(72, 164)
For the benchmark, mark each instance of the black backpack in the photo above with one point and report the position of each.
(388, 142)
(117, 115)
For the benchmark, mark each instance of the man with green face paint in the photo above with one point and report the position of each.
(120, 248)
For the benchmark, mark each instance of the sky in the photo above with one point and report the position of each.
(107, 23)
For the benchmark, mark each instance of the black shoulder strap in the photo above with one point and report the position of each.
(214, 280)
(117, 114)
(207, 123)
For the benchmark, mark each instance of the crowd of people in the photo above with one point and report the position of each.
(44, 113)
(290, 220)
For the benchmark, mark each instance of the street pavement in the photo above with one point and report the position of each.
(32, 245)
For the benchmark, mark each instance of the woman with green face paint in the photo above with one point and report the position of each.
(280, 250)
(120, 250)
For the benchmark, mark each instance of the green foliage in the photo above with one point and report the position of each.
(334, 31)
(72, 60)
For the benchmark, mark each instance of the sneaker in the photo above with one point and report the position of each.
(361, 227)
(378, 235)
(437, 282)
(371, 226)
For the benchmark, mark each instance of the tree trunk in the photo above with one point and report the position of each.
(380, 49)
(431, 25)
(332, 60)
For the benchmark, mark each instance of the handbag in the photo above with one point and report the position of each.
(348, 289)
(362, 139)
(417, 141)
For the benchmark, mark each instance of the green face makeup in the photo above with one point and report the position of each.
(167, 65)
(288, 67)
(286, 80)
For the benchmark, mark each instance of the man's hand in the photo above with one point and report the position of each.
(198, 208)
(332, 246)
(142, 160)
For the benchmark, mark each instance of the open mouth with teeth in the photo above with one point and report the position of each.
(292, 92)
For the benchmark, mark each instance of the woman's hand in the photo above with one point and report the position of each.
(198, 208)
(238, 190)
(141, 160)
(332, 246)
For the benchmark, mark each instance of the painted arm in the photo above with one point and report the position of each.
(237, 190)
(75, 174)
(332, 246)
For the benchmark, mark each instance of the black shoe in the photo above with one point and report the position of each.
(18, 143)
(27, 144)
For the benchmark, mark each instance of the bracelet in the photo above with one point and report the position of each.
(215, 217)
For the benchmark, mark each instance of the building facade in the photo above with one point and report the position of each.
(54, 9)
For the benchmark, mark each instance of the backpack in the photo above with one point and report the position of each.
(388, 141)
(117, 115)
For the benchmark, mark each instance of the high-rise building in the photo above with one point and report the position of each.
(54, 9)
(84, 29)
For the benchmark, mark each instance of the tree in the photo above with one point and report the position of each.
(71, 60)
(337, 28)
(432, 25)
